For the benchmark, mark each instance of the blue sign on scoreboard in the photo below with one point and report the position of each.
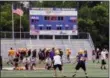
(53, 21)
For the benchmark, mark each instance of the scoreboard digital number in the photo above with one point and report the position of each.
(53, 21)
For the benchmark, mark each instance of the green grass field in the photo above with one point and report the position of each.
(93, 70)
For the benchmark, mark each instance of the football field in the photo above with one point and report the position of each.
(93, 70)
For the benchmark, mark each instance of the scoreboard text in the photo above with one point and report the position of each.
(53, 21)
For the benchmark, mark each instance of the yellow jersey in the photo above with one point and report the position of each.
(11, 52)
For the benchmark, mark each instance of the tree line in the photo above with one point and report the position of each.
(93, 17)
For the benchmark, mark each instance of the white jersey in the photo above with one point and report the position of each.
(103, 54)
(33, 60)
(57, 60)
(26, 60)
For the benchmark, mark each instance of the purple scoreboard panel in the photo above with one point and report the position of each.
(53, 21)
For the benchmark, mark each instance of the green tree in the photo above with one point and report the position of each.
(6, 22)
(6, 18)
(93, 17)
(36, 4)
(84, 12)
(100, 18)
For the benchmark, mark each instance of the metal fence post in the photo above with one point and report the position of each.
(90, 39)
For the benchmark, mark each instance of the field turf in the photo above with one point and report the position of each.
(93, 70)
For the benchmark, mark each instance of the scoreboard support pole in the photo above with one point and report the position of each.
(53, 37)
(37, 37)
(68, 37)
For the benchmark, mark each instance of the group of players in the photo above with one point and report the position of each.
(52, 58)
(28, 57)
(98, 55)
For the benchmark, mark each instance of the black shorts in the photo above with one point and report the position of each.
(97, 57)
(103, 62)
(41, 58)
(48, 66)
(81, 64)
(68, 56)
(33, 64)
(57, 66)
(21, 57)
(16, 59)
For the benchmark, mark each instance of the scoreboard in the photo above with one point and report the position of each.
(53, 21)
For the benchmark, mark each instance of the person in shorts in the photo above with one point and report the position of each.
(68, 53)
(61, 53)
(93, 56)
(48, 62)
(85, 55)
(21, 52)
(16, 62)
(26, 62)
(80, 63)
(41, 55)
(57, 63)
(11, 55)
(32, 63)
(97, 55)
(52, 54)
(103, 59)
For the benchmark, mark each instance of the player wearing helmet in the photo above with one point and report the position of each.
(80, 63)
(57, 62)
(68, 53)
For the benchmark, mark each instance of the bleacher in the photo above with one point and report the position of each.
(73, 44)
